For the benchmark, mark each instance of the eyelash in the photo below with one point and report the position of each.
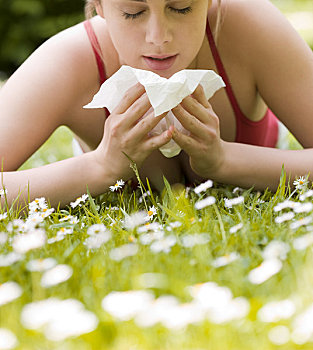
(183, 11)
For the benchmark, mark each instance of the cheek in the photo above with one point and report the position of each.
(123, 36)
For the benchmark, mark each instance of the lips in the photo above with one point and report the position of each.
(160, 62)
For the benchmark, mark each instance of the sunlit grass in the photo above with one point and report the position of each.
(165, 254)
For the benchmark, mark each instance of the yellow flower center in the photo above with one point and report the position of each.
(150, 212)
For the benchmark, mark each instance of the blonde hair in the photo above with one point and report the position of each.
(90, 8)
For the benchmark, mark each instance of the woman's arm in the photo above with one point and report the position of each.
(35, 101)
(56, 80)
(282, 65)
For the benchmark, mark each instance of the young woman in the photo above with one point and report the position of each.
(267, 68)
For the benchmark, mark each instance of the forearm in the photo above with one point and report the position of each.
(60, 182)
(260, 167)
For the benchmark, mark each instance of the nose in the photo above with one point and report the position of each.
(158, 31)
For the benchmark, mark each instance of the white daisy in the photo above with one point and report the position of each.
(31, 240)
(119, 184)
(124, 251)
(79, 201)
(301, 222)
(148, 238)
(3, 216)
(300, 183)
(303, 326)
(16, 225)
(135, 219)
(205, 202)
(153, 226)
(306, 195)
(303, 207)
(73, 220)
(126, 305)
(7, 339)
(303, 242)
(275, 311)
(225, 259)
(265, 270)
(3, 192)
(284, 217)
(190, 240)
(9, 291)
(163, 245)
(95, 241)
(9, 259)
(37, 205)
(41, 264)
(204, 186)
(96, 229)
(276, 249)
(151, 212)
(56, 275)
(279, 335)
(284, 205)
(236, 228)
(233, 201)
(59, 319)
(65, 231)
(146, 194)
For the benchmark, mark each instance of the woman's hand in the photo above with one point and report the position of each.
(126, 133)
(203, 145)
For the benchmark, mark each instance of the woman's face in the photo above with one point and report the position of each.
(163, 36)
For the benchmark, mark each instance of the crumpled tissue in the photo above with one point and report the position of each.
(164, 94)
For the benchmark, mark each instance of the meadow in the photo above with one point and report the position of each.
(211, 267)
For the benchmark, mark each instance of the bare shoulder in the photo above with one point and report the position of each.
(251, 24)
(56, 71)
(46, 91)
(278, 59)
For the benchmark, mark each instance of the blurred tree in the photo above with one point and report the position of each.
(26, 24)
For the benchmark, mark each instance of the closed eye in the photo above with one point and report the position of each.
(132, 15)
(182, 11)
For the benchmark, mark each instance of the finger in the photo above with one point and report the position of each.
(199, 95)
(189, 122)
(145, 125)
(158, 141)
(193, 107)
(187, 143)
(130, 96)
(137, 110)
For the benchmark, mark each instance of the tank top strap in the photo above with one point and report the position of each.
(222, 72)
(96, 49)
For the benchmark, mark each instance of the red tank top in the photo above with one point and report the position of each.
(261, 133)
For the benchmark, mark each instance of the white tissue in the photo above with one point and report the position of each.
(164, 94)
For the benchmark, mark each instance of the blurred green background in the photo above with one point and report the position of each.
(25, 24)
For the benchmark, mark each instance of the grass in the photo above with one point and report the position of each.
(195, 269)
(178, 250)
